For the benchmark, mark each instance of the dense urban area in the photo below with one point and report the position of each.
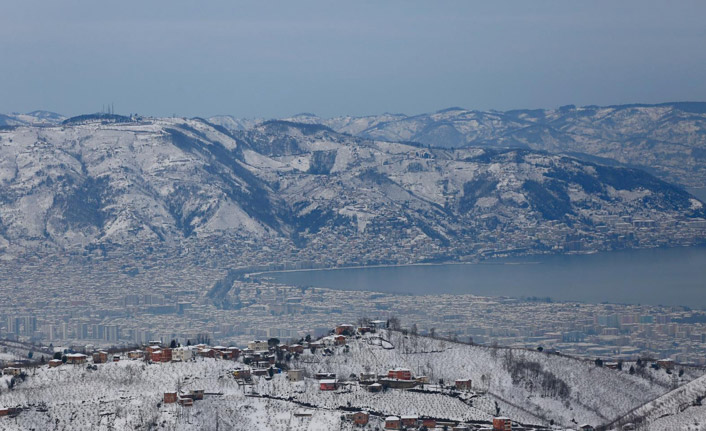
(110, 300)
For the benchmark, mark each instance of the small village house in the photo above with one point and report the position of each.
(429, 423)
(464, 384)
(400, 374)
(667, 364)
(360, 418)
(100, 357)
(207, 353)
(392, 423)
(76, 358)
(502, 424)
(345, 329)
(409, 420)
(327, 385)
(295, 375)
(258, 345)
(5, 411)
(164, 355)
(181, 354)
(296, 348)
(136, 354)
(422, 379)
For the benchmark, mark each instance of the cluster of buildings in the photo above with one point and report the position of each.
(263, 358)
(119, 297)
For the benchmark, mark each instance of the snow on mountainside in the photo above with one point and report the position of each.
(680, 409)
(232, 123)
(129, 395)
(110, 179)
(669, 139)
(532, 388)
(31, 118)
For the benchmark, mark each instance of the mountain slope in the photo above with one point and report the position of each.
(669, 138)
(679, 409)
(96, 180)
(529, 386)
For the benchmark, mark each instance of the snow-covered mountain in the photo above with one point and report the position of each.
(235, 124)
(101, 178)
(669, 139)
(31, 118)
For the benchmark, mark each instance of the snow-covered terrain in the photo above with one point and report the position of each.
(111, 179)
(667, 138)
(129, 395)
(680, 409)
(532, 388)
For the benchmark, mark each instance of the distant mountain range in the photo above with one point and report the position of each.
(106, 178)
(668, 140)
(31, 118)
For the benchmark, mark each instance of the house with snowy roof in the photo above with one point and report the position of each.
(393, 423)
(76, 358)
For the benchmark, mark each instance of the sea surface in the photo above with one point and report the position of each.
(666, 276)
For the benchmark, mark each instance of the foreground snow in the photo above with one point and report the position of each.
(532, 388)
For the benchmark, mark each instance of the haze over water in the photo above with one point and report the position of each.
(675, 276)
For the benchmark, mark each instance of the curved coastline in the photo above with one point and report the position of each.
(668, 276)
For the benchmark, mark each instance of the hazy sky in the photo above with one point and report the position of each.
(277, 58)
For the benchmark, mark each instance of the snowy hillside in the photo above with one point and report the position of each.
(129, 395)
(680, 409)
(36, 118)
(111, 179)
(668, 138)
(532, 388)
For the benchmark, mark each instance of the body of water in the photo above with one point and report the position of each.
(673, 276)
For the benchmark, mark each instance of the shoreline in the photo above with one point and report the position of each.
(576, 281)
(488, 261)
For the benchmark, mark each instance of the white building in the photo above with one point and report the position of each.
(181, 354)
(258, 345)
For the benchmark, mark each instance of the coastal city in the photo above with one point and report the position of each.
(120, 303)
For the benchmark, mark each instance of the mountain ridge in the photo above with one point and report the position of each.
(94, 180)
(668, 138)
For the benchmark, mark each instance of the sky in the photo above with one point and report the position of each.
(278, 58)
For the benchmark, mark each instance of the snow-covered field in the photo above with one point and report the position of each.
(530, 387)
(680, 409)
(128, 395)
(543, 387)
